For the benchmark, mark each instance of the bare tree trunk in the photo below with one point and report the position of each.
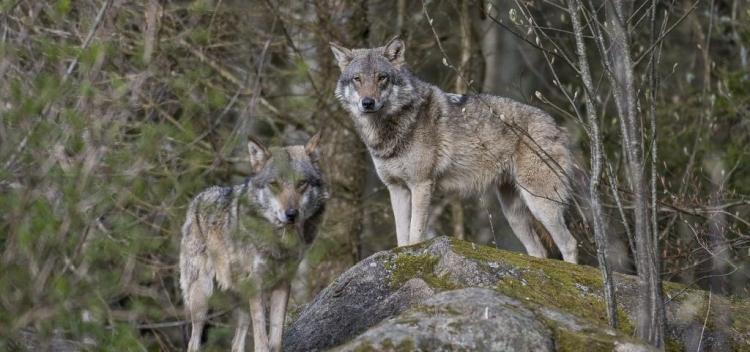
(737, 9)
(653, 84)
(400, 14)
(342, 154)
(461, 87)
(600, 237)
(719, 251)
(650, 325)
(462, 78)
(490, 45)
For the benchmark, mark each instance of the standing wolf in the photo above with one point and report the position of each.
(250, 238)
(421, 138)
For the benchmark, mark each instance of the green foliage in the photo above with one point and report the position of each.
(102, 165)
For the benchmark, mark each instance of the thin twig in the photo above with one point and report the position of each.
(664, 35)
(89, 38)
(705, 321)
(171, 324)
(223, 72)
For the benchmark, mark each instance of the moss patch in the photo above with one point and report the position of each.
(364, 348)
(539, 289)
(673, 345)
(387, 345)
(404, 345)
(557, 269)
(407, 266)
(566, 340)
(574, 289)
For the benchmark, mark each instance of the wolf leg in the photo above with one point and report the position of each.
(197, 304)
(401, 204)
(421, 194)
(243, 322)
(258, 314)
(549, 211)
(279, 300)
(196, 282)
(520, 219)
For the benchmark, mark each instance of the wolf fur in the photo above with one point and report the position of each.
(421, 139)
(250, 238)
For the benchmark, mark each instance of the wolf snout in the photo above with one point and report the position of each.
(291, 215)
(368, 104)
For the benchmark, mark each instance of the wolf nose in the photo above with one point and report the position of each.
(368, 103)
(291, 214)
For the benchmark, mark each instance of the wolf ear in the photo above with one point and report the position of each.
(258, 154)
(343, 55)
(394, 51)
(312, 144)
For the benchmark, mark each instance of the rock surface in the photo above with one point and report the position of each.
(447, 294)
(476, 319)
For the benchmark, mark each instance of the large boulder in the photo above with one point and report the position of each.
(446, 294)
(471, 318)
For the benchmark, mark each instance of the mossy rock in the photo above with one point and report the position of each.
(388, 291)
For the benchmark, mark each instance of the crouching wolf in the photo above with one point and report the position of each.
(421, 138)
(250, 239)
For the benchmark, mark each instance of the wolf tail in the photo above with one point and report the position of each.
(578, 210)
(579, 216)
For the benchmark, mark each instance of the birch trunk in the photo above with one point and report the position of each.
(574, 7)
(650, 324)
(462, 79)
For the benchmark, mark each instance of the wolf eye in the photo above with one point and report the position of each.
(274, 184)
(356, 79)
(382, 78)
(301, 185)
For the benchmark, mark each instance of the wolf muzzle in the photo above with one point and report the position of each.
(368, 104)
(291, 215)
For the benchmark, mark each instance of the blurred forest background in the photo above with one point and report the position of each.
(114, 113)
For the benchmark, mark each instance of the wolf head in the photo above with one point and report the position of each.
(372, 80)
(288, 183)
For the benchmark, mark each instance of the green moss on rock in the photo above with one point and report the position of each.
(673, 345)
(566, 298)
(404, 345)
(571, 341)
(365, 348)
(542, 290)
(574, 289)
(556, 269)
(405, 266)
